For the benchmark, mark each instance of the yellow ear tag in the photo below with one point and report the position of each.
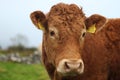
(92, 29)
(40, 26)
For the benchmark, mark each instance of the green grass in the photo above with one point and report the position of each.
(16, 71)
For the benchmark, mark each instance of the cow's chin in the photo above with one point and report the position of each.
(67, 74)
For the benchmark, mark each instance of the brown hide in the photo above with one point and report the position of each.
(66, 21)
(64, 38)
(102, 52)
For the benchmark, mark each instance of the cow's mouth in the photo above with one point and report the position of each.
(71, 73)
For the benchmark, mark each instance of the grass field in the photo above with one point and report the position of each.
(16, 71)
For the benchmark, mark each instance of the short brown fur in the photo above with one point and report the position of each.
(100, 51)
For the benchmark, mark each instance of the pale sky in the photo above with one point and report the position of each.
(14, 16)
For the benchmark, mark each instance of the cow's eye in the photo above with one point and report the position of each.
(52, 33)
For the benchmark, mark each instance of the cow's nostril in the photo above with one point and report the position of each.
(72, 65)
(66, 65)
(80, 66)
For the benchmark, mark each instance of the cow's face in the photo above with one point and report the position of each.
(64, 30)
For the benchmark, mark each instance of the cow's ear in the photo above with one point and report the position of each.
(94, 22)
(39, 20)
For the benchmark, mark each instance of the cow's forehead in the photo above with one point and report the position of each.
(65, 9)
(64, 13)
(66, 16)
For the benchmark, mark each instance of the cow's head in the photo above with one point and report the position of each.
(64, 28)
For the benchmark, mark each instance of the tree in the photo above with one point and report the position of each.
(19, 42)
(0, 47)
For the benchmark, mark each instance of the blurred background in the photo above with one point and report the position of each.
(19, 39)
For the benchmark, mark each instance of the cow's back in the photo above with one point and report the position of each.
(112, 33)
(102, 50)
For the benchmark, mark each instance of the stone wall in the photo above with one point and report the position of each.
(15, 57)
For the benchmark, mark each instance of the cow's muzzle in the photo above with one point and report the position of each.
(70, 67)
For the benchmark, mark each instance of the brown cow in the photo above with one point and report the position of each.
(71, 53)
